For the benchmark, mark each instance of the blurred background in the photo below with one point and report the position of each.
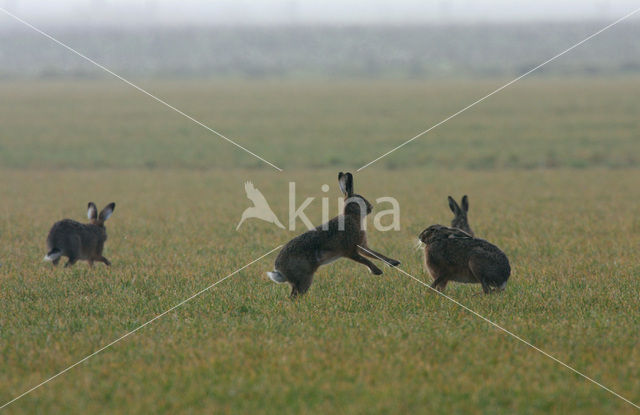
(405, 39)
(319, 79)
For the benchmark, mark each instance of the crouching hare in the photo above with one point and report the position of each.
(342, 236)
(78, 241)
(453, 255)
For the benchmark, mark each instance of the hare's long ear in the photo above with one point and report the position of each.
(457, 233)
(345, 180)
(465, 203)
(107, 211)
(453, 205)
(92, 211)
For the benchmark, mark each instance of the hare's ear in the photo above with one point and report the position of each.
(453, 205)
(92, 211)
(107, 211)
(458, 233)
(345, 180)
(465, 203)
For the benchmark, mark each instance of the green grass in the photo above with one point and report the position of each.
(356, 343)
(534, 123)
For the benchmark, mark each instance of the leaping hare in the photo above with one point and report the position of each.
(342, 236)
(78, 241)
(460, 219)
(453, 255)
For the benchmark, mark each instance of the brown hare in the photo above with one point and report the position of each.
(460, 219)
(78, 241)
(453, 255)
(341, 237)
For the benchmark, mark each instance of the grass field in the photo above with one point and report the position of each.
(296, 125)
(552, 171)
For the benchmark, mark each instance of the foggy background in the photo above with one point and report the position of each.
(316, 39)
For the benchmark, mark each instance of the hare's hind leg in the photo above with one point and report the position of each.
(481, 269)
(300, 285)
(73, 249)
(299, 273)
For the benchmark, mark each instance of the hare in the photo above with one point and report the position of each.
(453, 255)
(78, 241)
(342, 236)
(460, 219)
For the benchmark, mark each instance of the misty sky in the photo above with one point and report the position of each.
(218, 12)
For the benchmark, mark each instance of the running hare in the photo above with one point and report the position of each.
(453, 255)
(78, 241)
(342, 236)
(460, 219)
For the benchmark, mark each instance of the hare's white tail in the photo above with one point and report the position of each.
(53, 255)
(277, 277)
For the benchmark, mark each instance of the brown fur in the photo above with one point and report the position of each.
(460, 219)
(454, 255)
(303, 255)
(78, 241)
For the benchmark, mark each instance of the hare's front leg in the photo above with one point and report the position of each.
(72, 260)
(372, 267)
(366, 251)
(440, 284)
(105, 260)
(440, 278)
